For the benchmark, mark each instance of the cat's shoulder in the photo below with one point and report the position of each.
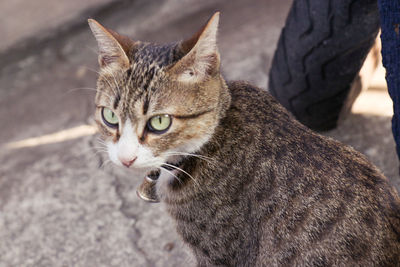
(255, 100)
(245, 91)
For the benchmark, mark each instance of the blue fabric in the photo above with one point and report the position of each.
(390, 22)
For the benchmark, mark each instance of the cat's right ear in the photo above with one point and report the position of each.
(114, 48)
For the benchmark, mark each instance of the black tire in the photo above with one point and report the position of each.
(320, 52)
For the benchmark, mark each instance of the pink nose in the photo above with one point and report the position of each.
(128, 162)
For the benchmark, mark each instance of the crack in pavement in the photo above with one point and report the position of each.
(124, 209)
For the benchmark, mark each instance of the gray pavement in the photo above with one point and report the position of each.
(61, 202)
(20, 19)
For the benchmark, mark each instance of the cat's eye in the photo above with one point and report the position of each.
(109, 117)
(159, 124)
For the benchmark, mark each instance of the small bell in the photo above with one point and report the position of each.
(147, 190)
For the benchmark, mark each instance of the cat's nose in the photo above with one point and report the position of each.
(127, 162)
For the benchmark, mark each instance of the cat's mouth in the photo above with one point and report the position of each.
(147, 190)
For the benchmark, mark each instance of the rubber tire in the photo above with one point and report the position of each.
(320, 52)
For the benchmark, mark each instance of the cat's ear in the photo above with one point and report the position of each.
(201, 57)
(114, 48)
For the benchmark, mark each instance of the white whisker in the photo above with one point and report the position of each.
(173, 175)
(188, 154)
(95, 150)
(101, 141)
(107, 80)
(116, 84)
(207, 159)
(175, 167)
(100, 148)
(96, 52)
(86, 88)
(104, 164)
(93, 70)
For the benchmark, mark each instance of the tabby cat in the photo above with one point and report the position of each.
(245, 182)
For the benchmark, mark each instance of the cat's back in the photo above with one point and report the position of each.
(318, 202)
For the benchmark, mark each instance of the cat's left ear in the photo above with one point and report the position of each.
(201, 57)
(114, 48)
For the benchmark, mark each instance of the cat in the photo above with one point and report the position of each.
(246, 184)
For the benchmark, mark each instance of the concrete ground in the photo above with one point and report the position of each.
(61, 202)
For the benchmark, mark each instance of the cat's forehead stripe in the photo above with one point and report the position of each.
(162, 55)
(147, 66)
(145, 106)
(148, 60)
(117, 99)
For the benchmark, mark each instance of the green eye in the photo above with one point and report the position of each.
(109, 117)
(159, 124)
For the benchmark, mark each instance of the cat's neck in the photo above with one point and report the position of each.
(224, 98)
(208, 167)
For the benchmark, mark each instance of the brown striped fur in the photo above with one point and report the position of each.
(271, 192)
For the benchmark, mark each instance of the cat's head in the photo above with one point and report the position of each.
(157, 103)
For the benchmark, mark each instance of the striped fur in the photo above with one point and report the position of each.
(262, 189)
